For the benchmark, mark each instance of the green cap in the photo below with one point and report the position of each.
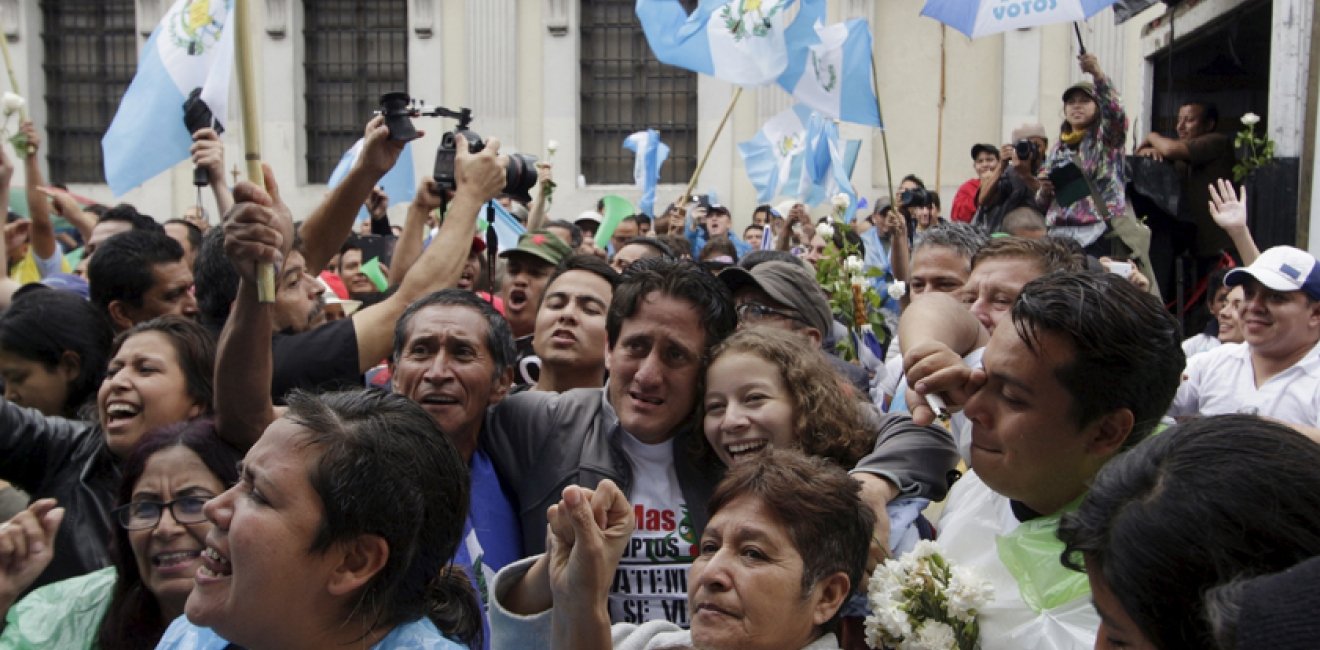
(542, 244)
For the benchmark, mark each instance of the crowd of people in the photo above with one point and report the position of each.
(425, 442)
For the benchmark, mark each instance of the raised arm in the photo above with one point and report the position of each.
(409, 246)
(68, 208)
(43, 231)
(7, 285)
(331, 222)
(1230, 213)
(936, 332)
(208, 152)
(480, 177)
(900, 253)
(536, 215)
(258, 229)
(27, 546)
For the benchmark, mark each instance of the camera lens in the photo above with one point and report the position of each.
(520, 176)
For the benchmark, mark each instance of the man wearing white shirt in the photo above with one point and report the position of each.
(1275, 371)
(1080, 370)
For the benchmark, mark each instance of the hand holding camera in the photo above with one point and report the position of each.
(479, 175)
(380, 151)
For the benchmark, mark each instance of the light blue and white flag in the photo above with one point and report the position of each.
(399, 183)
(651, 154)
(827, 164)
(775, 152)
(831, 73)
(745, 42)
(507, 227)
(190, 48)
(982, 17)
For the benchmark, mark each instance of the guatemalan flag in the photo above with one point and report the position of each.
(774, 154)
(827, 165)
(399, 183)
(651, 153)
(831, 73)
(746, 42)
(191, 48)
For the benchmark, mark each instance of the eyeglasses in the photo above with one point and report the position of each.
(752, 312)
(143, 515)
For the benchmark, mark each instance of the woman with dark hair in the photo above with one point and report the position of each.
(786, 544)
(159, 373)
(1092, 140)
(173, 470)
(338, 533)
(53, 351)
(1206, 502)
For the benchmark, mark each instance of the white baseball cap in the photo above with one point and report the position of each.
(1282, 268)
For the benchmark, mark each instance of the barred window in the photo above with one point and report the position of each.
(356, 51)
(624, 90)
(90, 56)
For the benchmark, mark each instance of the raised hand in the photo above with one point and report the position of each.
(208, 152)
(479, 175)
(1228, 211)
(259, 228)
(27, 545)
(588, 533)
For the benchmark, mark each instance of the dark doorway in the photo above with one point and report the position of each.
(1227, 63)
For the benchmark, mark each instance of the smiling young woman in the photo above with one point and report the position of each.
(160, 373)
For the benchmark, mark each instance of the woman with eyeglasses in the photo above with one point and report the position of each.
(158, 540)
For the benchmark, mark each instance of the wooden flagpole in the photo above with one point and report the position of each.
(251, 128)
(709, 146)
(884, 139)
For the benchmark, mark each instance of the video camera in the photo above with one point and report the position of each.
(398, 109)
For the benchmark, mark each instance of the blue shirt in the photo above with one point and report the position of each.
(492, 534)
(420, 634)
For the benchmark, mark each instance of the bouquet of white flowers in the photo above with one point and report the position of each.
(924, 602)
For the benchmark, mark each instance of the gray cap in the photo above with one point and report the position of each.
(790, 285)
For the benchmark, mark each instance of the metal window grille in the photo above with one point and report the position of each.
(624, 89)
(90, 52)
(356, 50)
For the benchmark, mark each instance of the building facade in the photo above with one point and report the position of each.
(578, 72)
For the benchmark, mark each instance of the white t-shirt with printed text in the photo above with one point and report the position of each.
(651, 581)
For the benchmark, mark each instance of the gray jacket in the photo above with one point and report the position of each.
(541, 443)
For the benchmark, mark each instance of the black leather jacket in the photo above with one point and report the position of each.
(66, 460)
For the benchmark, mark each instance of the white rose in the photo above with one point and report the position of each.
(897, 289)
(857, 280)
(825, 230)
(854, 264)
(934, 635)
(1251, 119)
(841, 201)
(12, 103)
(552, 146)
(925, 548)
(967, 592)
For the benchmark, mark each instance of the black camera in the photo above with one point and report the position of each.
(1025, 149)
(914, 198)
(519, 172)
(398, 109)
